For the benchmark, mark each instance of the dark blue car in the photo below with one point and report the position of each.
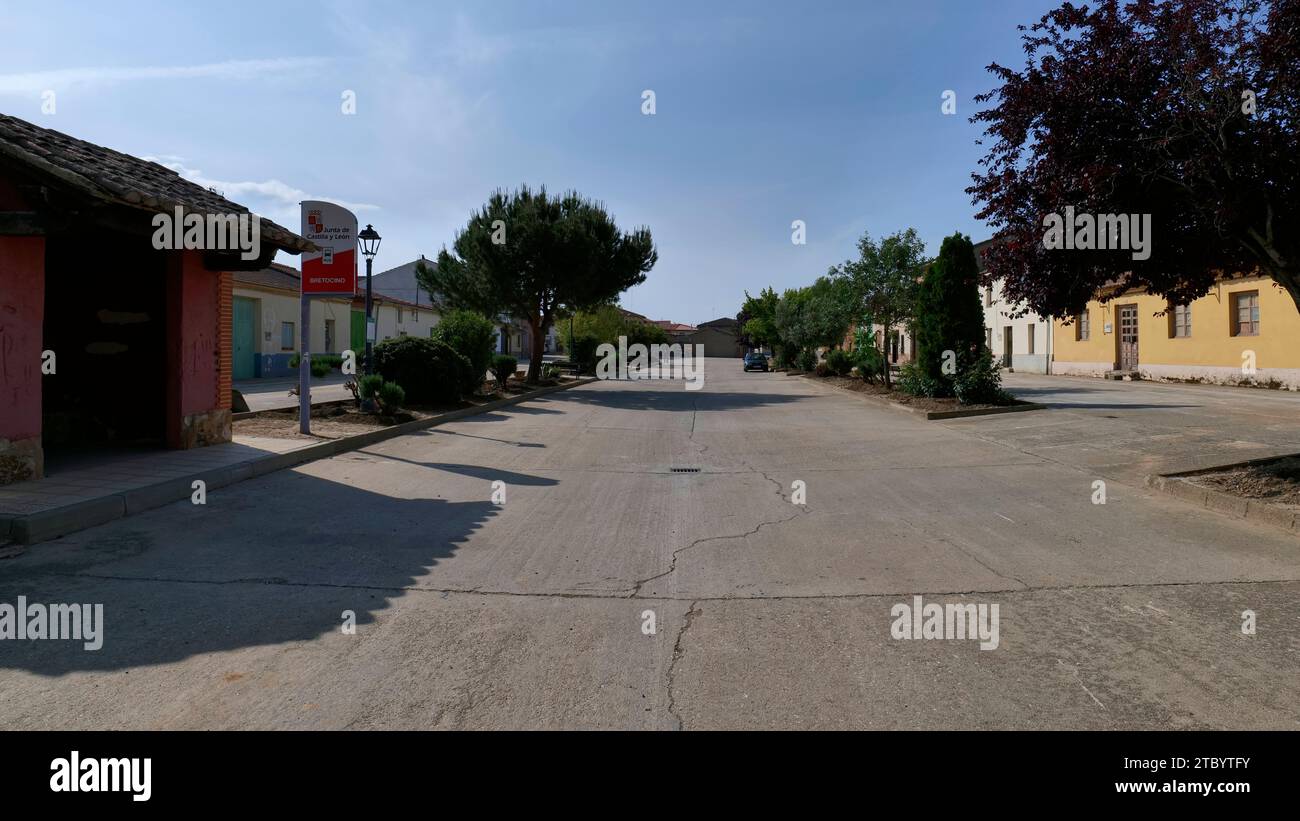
(756, 362)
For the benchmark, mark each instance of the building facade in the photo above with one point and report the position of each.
(109, 339)
(266, 313)
(1246, 331)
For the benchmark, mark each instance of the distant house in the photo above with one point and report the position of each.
(675, 330)
(720, 337)
(266, 315)
(1018, 340)
(400, 283)
(137, 335)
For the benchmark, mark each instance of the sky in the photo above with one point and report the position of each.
(764, 113)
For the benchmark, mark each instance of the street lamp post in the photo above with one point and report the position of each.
(369, 239)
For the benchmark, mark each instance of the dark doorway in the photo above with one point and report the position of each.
(105, 323)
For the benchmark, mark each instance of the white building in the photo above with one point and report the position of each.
(1020, 342)
(266, 316)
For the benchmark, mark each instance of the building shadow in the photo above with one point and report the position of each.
(271, 561)
(680, 400)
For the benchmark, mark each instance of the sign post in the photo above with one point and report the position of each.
(332, 271)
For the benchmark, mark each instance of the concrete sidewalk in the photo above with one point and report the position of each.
(1129, 430)
(273, 394)
(108, 486)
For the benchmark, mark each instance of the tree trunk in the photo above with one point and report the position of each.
(537, 330)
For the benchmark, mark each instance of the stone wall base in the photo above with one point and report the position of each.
(208, 428)
(21, 459)
(1282, 378)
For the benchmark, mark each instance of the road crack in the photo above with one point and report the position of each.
(678, 652)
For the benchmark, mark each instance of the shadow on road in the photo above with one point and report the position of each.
(680, 400)
(186, 580)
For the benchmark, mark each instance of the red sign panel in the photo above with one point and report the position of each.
(333, 270)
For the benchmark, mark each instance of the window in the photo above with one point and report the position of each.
(988, 338)
(1180, 321)
(399, 314)
(286, 336)
(988, 296)
(1082, 327)
(329, 336)
(1031, 338)
(1245, 307)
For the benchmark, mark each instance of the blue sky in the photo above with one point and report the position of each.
(765, 113)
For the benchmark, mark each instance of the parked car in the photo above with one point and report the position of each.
(756, 362)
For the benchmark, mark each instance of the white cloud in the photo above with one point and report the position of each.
(281, 197)
(60, 79)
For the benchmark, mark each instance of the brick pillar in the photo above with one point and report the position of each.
(195, 415)
(226, 339)
(22, 318)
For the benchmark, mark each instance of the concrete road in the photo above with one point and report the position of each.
(1131, 429)
(766, 613)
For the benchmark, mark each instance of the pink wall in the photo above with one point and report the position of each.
(22, 316)
(193, 327)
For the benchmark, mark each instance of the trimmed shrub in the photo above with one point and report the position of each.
(369, 386)
(320, 369)
(807, 359)
(430, 371)
(584, 352)
(978, 380)
(840, 362)
(913, 380)
(391, 397)
(504, 367)
(471, 335)
(871, 365)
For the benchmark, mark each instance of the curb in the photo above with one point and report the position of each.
(60, 521)
(1176, 485)
(932, 415)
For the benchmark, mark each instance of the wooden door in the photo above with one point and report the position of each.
(1128, 337)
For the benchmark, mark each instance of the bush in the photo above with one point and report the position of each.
(840, 362)
(913, 380)
(319, 369)
(806, 360)
(551, 370)
(822, 369)
(504, 367)
(471, 335)
(583, 355)
(430, 371)
(871, 365)
(369, 386)
(391, 397)
(978, 380)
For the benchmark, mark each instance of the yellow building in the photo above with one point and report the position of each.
(1245, 331)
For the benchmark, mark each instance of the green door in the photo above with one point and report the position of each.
(244, 356)
(358, 333)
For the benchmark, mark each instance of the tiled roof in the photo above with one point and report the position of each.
(274, 276)
(284, 278)
(117, 178)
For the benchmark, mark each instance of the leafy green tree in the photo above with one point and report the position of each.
(883, 280)
(790, 322)
(832, 307)
(607, 323)
(531, 255)
(470, 334)
(949, 316)
(758, 326)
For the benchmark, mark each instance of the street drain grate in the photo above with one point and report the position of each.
(684, 470)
